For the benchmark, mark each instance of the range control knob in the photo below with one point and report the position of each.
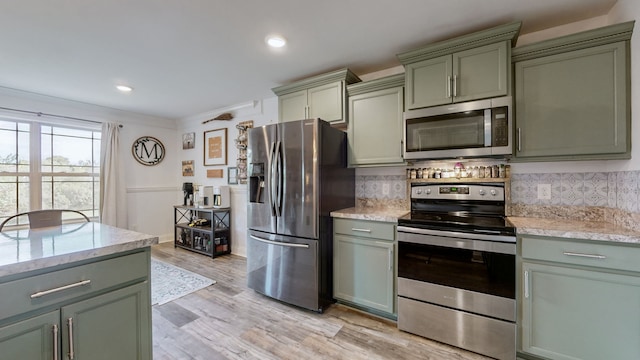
(418, 191)
(428, 191)
(482, 192)
(493, 192)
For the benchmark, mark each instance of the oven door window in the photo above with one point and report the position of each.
(479, 271)
(452, 131)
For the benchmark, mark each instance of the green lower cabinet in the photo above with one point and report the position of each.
(114, 325)
(92, 310)
(364, 272)
(110, 326)
(32, 339)
(576, 313)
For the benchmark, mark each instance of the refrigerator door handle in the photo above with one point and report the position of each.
(280, 179)
(272, 187)
(306, 246)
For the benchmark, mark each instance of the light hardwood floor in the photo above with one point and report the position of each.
(230, 321)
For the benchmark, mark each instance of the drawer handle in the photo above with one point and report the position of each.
(361, 230)
(61, 288)
(590, 256)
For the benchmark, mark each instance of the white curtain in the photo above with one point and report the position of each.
(113, 207)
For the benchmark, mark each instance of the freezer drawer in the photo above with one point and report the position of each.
(284, 268)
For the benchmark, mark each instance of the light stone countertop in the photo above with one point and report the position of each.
(372, 214)
(589, 230)
(27, 250)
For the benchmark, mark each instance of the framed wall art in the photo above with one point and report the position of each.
(148, 150)
(215, 147)
(187, 168)
(232, 175)
(188, 140)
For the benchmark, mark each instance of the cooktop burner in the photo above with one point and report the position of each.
(458, 222)
(473, 208)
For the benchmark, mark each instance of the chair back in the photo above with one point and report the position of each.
(44, 218)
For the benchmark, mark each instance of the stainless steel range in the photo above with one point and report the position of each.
(456, 268)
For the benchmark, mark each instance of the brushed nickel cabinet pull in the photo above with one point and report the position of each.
(70, 326)
(361, 230)
(526, 284)
(448, 86)
(455, 85)
(61, 288)
(390, 259)
(55, 341)
(519, 139)
(590, 256)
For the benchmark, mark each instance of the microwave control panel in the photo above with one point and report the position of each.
(500, 126)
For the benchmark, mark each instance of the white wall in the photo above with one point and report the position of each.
(262, 112)
(151, 190)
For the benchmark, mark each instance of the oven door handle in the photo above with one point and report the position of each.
(500, 238)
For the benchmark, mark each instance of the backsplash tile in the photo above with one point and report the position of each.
(595, 189)
(373, 187)
(616, 190)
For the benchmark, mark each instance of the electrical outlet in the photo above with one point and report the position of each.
(385, 189)
(544, 191)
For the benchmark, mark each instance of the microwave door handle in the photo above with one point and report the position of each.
(487, 127)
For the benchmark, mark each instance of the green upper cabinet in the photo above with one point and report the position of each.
(293, 106)
(375, 122)
(572, 96)
(322, 96)
(470, 67)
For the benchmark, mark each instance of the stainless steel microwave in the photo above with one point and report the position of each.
(471, 129)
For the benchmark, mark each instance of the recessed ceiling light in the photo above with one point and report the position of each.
(124, 88)
(276, 41)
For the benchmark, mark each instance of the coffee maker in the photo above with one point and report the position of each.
(187, 189)
(221, 198)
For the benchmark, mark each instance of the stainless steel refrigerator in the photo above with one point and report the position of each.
(297, 175)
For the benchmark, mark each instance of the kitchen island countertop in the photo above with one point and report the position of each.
(575, 229)
(372, 214)
(26, 250)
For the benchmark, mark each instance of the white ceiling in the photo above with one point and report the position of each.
(188, 57)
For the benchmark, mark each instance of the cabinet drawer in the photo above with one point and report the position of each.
(610, 255)
(102, 275)
(364, 228)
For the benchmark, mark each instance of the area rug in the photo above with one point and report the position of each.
(169, 282)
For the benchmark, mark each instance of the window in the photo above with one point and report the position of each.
(46, 166)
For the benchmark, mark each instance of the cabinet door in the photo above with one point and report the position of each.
(573, 105)
(481, 72)
(363, 272)
(293, 106)
(326, 102)
(375, 129)
(31, 339)
(428, 82)
(116, 325)
(571, 313)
